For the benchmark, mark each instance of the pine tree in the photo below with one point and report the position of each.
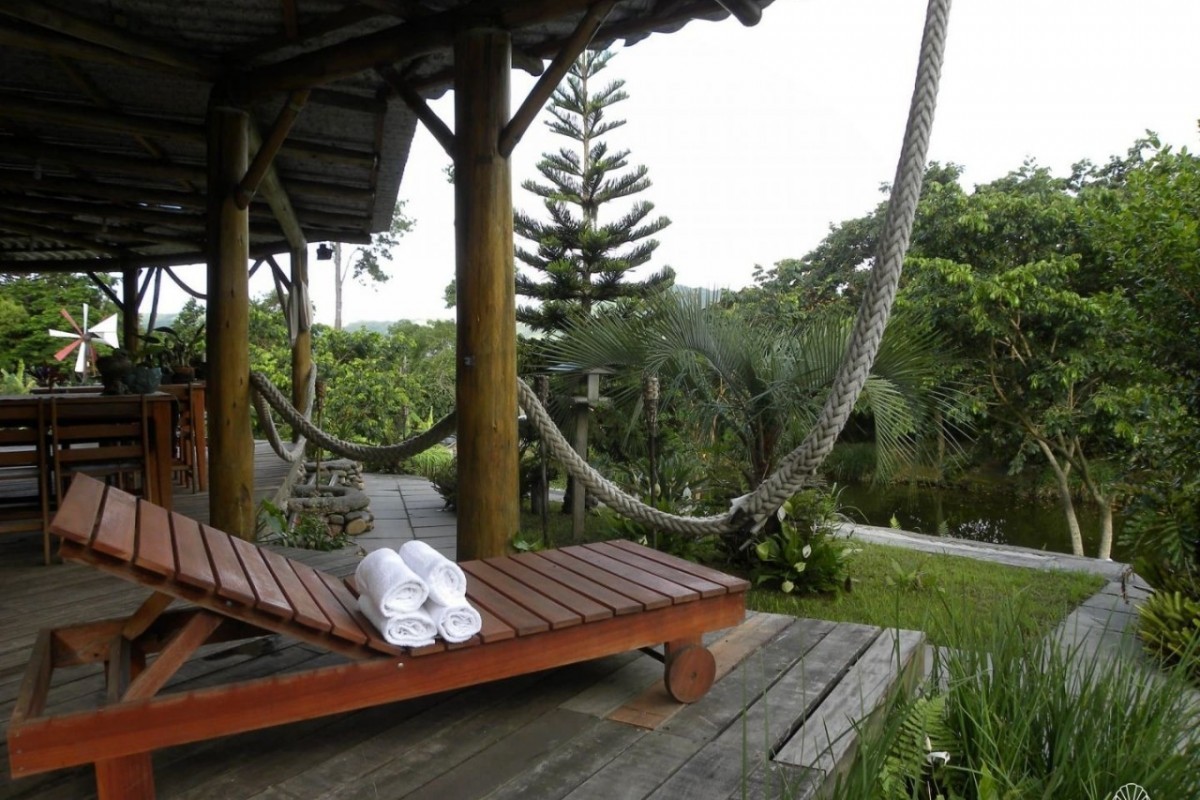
(581, 261)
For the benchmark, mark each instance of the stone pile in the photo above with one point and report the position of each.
(336, 495)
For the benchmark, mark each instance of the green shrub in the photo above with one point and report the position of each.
(444, 477)
(852, 462)
(308, 531)
(803, 556)
(17, 381)
(427, 462)
(1026, 718)
(1169, 627)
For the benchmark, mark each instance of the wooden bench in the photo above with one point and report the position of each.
(539, 610)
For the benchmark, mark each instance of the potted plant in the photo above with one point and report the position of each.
(180, 350)
(114, 369)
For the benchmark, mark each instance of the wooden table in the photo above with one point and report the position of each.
(79, 407)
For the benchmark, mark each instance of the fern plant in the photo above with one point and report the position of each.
(923, 747)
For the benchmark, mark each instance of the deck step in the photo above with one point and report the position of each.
(824, 745)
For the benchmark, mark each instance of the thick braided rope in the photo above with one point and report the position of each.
(267, 394)
(293, 452)
(595, 483)
(799, 466)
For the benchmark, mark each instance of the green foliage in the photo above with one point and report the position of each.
(444, 477)
(16, 382)
(679, 489)
(1169, 627)
(428, 462)
(803, 556)
(583, 263)
(977, 589)
(758, 388)
(916, 762)
(1023, 717)
(310, 532)
(524, 542)
(31, 304)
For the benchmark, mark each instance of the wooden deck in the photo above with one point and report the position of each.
(601, 729)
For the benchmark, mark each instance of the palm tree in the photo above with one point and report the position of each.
(764, 386)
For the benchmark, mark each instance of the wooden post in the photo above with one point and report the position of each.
(231, 488)
(488, 505)
(129, 309)
(300, 327)
(583, 408)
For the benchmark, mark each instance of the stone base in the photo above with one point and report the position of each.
(337, 496)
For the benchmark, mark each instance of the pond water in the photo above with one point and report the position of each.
(997, 518)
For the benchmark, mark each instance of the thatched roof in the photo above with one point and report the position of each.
(103, 106)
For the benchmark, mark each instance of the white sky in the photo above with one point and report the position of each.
(757, 139)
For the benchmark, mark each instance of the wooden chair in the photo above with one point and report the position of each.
(115, 447)
(24, 499)
(539, 610)
(189, 463)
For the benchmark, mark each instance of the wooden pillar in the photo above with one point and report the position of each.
(488, 505)
(231, 447)
(300, 327)
(129, 310)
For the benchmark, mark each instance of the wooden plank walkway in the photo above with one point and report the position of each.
(601, 729)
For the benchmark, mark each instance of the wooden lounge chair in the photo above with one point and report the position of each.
(540, 610)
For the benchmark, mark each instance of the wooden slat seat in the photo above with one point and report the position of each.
(539, 611)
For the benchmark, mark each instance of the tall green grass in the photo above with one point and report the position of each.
(1027, 718)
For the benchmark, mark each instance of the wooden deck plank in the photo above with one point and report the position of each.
(268, 594)
(554, 613)
(588, 609)
(191, 554)
(307, 612)
(648, 598)
(76, 519)
(342, 625)
(703, 586)
(604, 595)
(514, 615)
(117, 526)
(232, 583)
(154, 550)
(719, 766)
(824, 742)
(493, 629)
(619, 568)
(731, 582)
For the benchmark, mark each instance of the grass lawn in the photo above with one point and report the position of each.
(895, 587)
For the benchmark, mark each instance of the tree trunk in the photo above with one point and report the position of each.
(1106, 530)
(339, 277)
(1064, 496)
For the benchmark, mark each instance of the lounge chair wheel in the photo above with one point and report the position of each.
(690, 672)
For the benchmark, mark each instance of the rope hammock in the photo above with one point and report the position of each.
(799, 466)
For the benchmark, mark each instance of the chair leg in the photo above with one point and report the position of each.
(125, 778)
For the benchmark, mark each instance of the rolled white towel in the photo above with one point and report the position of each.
(455, 623)
(408, 629)
(388, 585)
(445, 579)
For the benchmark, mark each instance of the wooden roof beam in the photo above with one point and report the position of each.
(43, 15)
(273, 192)
(265, 48)
(270, 147)
(559, 67)
(14, 224)
(106, 163)
(415, 38)
(48, 43)
(22, 107)
(433, 123)
(97, 233)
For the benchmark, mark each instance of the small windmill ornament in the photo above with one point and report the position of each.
(105, 331)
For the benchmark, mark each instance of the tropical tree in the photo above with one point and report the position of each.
(763, 386)
(32, 304)
(577, 261)
(364, 264)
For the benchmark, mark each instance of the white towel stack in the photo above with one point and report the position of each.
(415, 594)
(447, 605)
(391, 595)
